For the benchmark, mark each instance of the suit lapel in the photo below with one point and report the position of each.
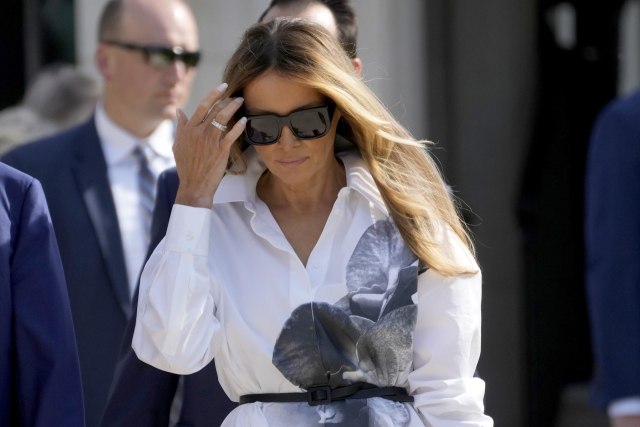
(90, 172)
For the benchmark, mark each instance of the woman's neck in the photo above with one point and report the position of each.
(306, 196)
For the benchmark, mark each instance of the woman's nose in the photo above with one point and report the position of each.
(287, 137)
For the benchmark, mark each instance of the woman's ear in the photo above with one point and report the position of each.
(357, 64)
(337, 117)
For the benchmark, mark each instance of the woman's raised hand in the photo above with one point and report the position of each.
(202, 150)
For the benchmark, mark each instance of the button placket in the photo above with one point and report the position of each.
(299, 283)
(318, 262)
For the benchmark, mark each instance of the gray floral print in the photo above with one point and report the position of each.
(365, 336)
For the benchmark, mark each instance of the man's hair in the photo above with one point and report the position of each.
(110, 19)
(343, 13)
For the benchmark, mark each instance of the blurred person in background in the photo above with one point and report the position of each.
(612, 240)
(337, 16)
(60, 96)
(100, 177)
(40, 382)
(141, 394)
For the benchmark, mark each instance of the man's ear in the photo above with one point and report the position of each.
(357, 64)
(103, 61)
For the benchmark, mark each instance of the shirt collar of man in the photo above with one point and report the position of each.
(242, 188)
(118, 144)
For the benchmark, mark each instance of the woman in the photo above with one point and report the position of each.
(331, 288)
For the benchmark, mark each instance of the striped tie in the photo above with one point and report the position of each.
(147, 188)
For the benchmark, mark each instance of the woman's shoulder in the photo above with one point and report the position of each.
(453, 245)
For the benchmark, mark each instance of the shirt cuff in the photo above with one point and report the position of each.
(188, 230)
(628, 406)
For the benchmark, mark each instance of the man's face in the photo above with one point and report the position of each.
(314, 12)
(146, 91)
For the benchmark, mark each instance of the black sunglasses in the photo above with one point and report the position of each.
(312, 123)
(161, 56)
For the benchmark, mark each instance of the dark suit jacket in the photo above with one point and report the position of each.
(612, 239)
(141, 395)
(39, 370)
(73, 173)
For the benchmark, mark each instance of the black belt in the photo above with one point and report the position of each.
(324, 395)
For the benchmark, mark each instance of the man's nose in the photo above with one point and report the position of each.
(175, 72)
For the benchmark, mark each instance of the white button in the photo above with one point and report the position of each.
(189, 236)
(316, 264)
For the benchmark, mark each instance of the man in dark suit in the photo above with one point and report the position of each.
(100, 177)
(40, 381)
(141, 395)
(612, 240)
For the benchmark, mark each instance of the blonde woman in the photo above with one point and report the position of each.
(332, 288)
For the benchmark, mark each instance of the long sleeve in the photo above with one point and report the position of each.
(612, 241)
(48, 372)
(176, 328)
(447, 347)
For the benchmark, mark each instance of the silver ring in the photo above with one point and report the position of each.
(219, 125)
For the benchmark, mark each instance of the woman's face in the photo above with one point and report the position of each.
(292, 160)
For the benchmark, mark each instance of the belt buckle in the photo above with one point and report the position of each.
(317, 402)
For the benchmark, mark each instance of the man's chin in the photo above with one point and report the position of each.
(168, 112)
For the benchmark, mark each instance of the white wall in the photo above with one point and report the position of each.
(492, 108)
(391, 43)
(629, 71)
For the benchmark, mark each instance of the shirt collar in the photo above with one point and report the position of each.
(242, 188)
(117, 143)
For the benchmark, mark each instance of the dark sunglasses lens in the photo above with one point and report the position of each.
(262, 130)
(309, 124)
(190, 59)
(161, 57)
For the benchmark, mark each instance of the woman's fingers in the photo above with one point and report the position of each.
(227, 112)
(206, 104)
(234, 133)
(217, 108)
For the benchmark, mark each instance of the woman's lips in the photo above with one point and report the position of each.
(293, 162)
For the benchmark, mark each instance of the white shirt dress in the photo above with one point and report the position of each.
(225, 284)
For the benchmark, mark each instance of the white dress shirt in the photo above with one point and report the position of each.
(226, 283)
(118, 147)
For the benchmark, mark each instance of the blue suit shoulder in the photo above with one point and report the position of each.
(12, 179)
(625, 110)
(14, 186)
(170, 177)
(55, 149)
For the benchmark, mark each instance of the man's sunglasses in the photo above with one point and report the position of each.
(160, 56)
(305, 124)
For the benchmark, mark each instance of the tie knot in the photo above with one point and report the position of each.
(144, 152)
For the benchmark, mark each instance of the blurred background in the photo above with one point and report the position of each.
(507, 89)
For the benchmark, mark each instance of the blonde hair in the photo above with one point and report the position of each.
(405, 173)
